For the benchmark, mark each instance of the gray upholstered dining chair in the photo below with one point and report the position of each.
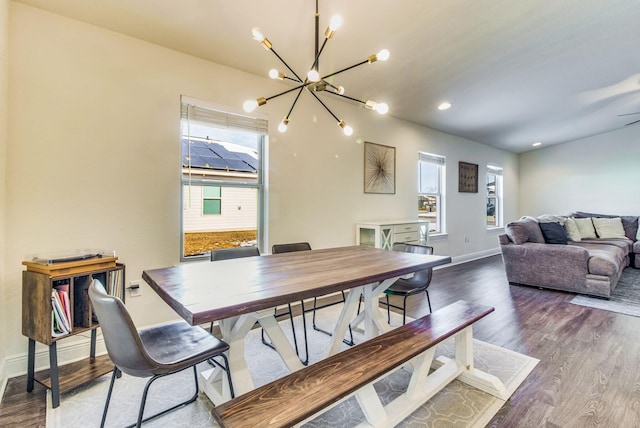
(409, 287)
(234, 253)
(305, 246)
(240, 252)
(152, 352)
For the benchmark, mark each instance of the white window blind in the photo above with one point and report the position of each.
(221, 119)
(429, 158)
(491, 169)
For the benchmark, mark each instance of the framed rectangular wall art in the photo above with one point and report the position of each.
(379, 168)
(467, 177)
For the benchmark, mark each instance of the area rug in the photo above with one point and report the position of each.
(457, 405)
(625, 298)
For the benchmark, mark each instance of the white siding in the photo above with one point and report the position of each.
(239, 210)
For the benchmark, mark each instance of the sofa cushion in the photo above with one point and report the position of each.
(629, 223)
(553, 233)
(550, 218)
(573, 233)
(608, 227)
(606, 257)
(604, 262)
(524, 230)
(585, 226)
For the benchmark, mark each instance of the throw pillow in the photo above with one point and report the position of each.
(629, 223)
(585, 226)
(609, 227)
(573, 233)
(549, 218)
(524, 230)
(553, 233)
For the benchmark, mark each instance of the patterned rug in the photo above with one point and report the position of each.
(625, 298)
(457, 405)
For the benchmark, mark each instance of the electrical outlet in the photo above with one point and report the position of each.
(135, 288)
(466, 239)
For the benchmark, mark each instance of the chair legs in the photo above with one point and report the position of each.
(304, 360)
(143, 401)
(404, 307)
(316, 328)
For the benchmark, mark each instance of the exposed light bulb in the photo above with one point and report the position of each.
(274, 74)
(313, 75)
(282, 127)
(383, 55)
(335, 23)
(444, 106)
(381, 108)
(345, 128)
(250, 105)
(257, 34)
(340, 90)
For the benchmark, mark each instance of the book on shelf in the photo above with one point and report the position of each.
(60, 316)
(114, 281)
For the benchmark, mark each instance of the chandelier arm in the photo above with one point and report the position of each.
(317, 35)
(286, 65)
(294, 102)
(325, 106)
(347, 97)
(316, 60)
(345, 69)
(286, 92)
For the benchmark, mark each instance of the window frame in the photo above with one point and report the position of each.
(440, 163)
(496, 197)
(224, 117)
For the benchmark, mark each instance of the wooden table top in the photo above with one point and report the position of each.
(207, 291)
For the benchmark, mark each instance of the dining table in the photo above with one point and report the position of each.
(238, 293)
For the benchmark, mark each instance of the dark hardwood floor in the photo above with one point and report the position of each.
(589, 370)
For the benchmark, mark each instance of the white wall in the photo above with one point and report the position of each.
(94, 159)
(4, 96)
(598, 174)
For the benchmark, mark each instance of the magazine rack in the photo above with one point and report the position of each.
(41, 323)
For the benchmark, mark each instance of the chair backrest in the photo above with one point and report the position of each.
(422, 277)
(234, 253)
(290, 248)
(121, 337)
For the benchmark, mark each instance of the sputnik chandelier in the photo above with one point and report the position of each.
(314, 83)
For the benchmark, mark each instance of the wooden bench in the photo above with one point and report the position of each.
(301, 395)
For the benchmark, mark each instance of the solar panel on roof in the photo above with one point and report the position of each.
(210, 155)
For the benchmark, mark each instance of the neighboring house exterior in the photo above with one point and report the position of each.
(218, 207)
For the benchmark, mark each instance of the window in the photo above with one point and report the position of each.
(211, 200)
(494, 196)
(431, 190)
(222, 166)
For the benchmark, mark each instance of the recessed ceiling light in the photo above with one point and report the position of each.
(444, 106)
(536, 144)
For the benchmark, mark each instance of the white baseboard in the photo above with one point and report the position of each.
(3, 378)
(471, 257)
(72, 349)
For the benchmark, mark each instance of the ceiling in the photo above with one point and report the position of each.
(515, 72)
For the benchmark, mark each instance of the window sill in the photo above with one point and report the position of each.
(494, 228)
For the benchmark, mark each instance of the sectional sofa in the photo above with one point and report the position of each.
(582, 252)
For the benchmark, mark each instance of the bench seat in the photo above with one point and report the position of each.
(301, 395)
